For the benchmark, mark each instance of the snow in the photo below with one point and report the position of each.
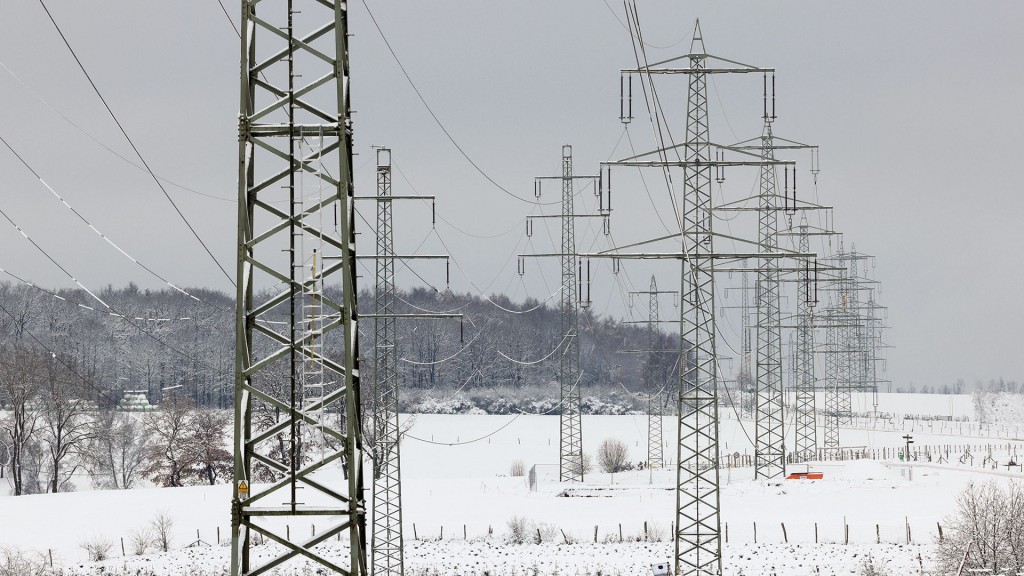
(455, 474)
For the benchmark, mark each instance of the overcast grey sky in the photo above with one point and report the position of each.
(916, 105)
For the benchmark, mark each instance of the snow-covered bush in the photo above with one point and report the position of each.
(612, 455)
(97, 547)
(518, 468)
(986, 520)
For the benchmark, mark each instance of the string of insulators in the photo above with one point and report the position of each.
(815, 301)
(606, 225)
(773, 97)
(529, 227)
(579, 282)
(625, 98)
(609, 208)
(521, 266)
(536, 188)
(789, 200)
(719, 168)
(462, 331)
(764, 97)
(433, 213)
(615, 265)
(447, 273)
(586, 303)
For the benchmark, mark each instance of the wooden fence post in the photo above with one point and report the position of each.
(755, 532)
(785, 537)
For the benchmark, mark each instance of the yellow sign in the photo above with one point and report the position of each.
(243, 489)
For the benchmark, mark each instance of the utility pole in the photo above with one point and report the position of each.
(386, 546)
(570, 460)
(292, 388)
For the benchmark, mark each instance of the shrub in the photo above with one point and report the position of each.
(519, 530)
(98, 548)
(162, 524)
(612, 455)
(518, 468)
(141, 541)
(990, 514)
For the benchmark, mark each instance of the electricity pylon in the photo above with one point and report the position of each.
(655, 407)
(652, 385)
(386, 546)
(570, 443)
(806, 430)
(769, 445)
(296, 363)
(698, 545)
(769, 442)
(745, 379)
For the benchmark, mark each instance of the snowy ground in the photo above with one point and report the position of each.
(457, 491)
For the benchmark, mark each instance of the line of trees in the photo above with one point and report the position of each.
(170, 340)
(52, 428)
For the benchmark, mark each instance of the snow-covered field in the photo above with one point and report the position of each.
(458, 500)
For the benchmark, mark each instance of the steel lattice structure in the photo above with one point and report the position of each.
(570, 461)
(386, 546)
(652, 383)
(698, 544)
(297, 411)
(806, 430)
(655, 406)
(570, 443)
(745, 379)
(769, 445)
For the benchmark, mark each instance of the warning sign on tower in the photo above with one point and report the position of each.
(243, 489)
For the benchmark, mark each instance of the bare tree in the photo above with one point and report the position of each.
(987, 519)
(612, 455)
(117, 451)
(169, 458)
(206, 444)
(19, 386)
(66, 426)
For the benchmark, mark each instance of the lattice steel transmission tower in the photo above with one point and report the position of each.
(297, 369)
(698, 545)
(386, 545)
(745, 380)
(806, 429)
(655, 407)
(843, 364)
(651, 382)
(769, 445)
(570, 460)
